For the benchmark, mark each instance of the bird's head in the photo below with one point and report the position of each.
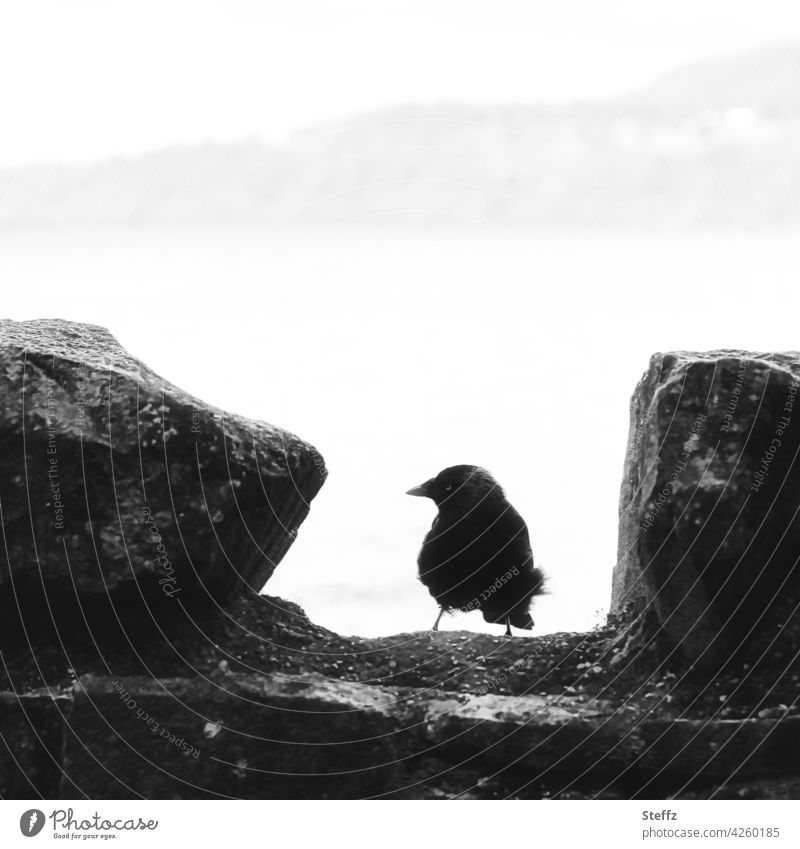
(459, 486)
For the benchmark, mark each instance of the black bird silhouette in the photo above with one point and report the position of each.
(477, 554)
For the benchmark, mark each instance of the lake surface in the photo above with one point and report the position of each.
(398, 353)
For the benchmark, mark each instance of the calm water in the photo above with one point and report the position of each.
(398, 353)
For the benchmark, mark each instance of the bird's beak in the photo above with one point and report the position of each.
(421, 490)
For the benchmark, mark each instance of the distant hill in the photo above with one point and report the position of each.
(766, 80)
(715, 144)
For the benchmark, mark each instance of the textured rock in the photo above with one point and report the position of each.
(721, 748)
(709, 531)
(262, 703)
(238, 736)
(267, 705)
(253, 736)
(31, 739)
(117, 486)
(312, 737)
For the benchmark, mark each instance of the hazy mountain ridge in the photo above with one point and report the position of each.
(711, 145)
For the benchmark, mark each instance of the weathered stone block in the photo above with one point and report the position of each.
(710, 506)
(118, 487)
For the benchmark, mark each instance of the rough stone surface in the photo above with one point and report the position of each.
(31, 739)
(709, 526)
(311, 736)
(255, 701)
(116, 485)
(231, 736)
(264, 704)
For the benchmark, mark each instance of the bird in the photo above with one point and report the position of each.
(477, 554)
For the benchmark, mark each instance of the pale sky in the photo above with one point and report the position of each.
(86, 79)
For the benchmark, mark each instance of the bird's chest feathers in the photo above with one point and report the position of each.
(453, 530)
(445, 520)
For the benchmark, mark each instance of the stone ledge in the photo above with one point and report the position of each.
(250, 736)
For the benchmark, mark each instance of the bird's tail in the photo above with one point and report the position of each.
(518, 618)
(521, 619)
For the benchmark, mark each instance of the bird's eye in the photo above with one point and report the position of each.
(448, 487)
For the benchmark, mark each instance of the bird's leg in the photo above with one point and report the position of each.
(438, 618)
(508, 627)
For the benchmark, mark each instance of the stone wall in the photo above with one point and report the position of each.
(205, 688)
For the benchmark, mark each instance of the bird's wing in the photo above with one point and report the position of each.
(509, 534)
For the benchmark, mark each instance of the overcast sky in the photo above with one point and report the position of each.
(85, 79)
